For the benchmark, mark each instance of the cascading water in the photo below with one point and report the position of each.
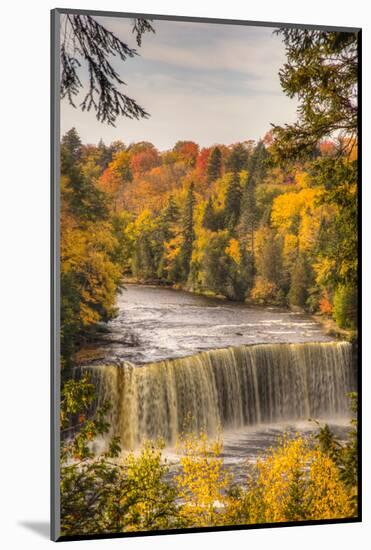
(231, 388)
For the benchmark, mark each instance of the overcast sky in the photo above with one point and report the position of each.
(199, 81)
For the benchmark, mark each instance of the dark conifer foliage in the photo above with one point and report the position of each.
(233, 202)
(258, 163)
(249, 215)
(321, 72)
(238, 159)
(86, 40)
(168, 219)
(214, 165)
(185, 254)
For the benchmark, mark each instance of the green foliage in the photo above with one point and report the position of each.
(249, 214)
(100, 494)
(300, 282)
(214, 165)
(70, 149)
(344, 455)
(111, 491)
(188, 233)
(209, 218)
(238, 159)
(85, 41)
(168, 219)
(143, 264)
(233, 198)
(339, 237)
(345, 307)
(258, 163)
(321, 70)
(222, 273)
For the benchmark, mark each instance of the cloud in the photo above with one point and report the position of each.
(210, 83)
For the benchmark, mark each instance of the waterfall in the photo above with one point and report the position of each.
(230, 388)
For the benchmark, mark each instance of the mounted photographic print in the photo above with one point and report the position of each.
(205, 339)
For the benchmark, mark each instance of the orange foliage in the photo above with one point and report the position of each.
(325, 305)
(145, 160)
(187, 151)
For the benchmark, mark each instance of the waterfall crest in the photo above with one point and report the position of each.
(230, 388)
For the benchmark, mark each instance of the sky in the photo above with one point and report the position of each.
(209, 83)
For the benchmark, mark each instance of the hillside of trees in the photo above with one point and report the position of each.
(222, 220)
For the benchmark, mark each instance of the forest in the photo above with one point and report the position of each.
(222, 220)
(268, 222)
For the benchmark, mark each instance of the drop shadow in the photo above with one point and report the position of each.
(41, 528)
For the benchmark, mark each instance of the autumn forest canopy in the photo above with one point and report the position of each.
(223, 220)
(267, 222)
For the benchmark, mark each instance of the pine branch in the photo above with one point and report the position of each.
(86, 40)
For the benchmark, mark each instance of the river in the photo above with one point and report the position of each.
(257, 372)
(156, 323)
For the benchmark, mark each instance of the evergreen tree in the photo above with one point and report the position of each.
(238, 159)
(143, 261)
(258, 163)
(85, 41)
(321, 69)
(211, 219)
(105, 154)
(345, 306)
(82, 198)
(185, 253)
(249, 215)
(300, 281)
(233, 198)
(221, 273)
(168, 218)
(70, 150)
(269, 259)
(214, 165)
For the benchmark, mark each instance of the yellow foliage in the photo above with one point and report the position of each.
(121, 162)
(290, 249)
(202, 481)
(302, 179)
(324, 270)
(172, 248)
(296, 482)
(199, 245)
(85, 255)
(263, 290)
(219, 191)
(144, 223)
(149, 497)
(287, 209)
(233, 251)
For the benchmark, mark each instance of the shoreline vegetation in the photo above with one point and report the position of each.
(220, 221)
(272, 221)
(329, 325)
(300, 478)
(93, 348)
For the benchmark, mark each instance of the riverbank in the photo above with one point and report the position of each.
(156, 323)
(329, 325)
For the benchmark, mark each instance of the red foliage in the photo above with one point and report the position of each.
(144, 161)
(187, 151)
(202, 159)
